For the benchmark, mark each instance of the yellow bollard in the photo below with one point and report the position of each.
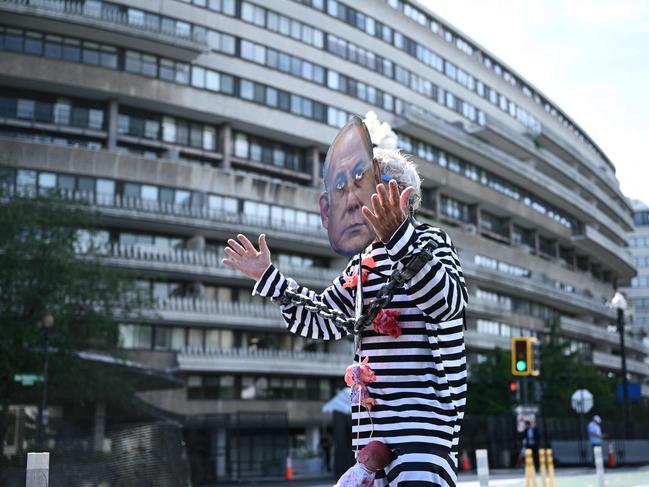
(530, 472)
(544, 478)
(550, 462)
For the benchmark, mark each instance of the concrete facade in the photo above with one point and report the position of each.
(195, 111)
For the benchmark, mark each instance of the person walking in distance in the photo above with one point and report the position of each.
(595, 432)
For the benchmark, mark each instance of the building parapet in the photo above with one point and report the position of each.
(590, 331)
(240, 360)
(614, 362)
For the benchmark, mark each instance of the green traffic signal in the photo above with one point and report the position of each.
(521, 366)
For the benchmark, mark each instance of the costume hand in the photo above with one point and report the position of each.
(389, 209)
(245, 257)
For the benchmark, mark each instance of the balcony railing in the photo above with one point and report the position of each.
(241, 360)
(93, 12)
(210, 219)
(202, 263)
(196, 311)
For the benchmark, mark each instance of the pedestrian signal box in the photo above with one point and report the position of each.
(521, 356)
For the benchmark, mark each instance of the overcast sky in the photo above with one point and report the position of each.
(590, 57)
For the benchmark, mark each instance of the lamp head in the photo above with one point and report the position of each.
(619, 302)
(47, 321)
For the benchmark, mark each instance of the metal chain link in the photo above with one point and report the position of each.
(382, 299)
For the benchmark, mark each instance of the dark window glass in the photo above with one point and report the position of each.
(79, 117)
(86, 185)
(149, 66)
(34, 43)
(108, 57)
(91, 53)
(13, 40)
(71, 50)
(43, 112)
(182, 132)
(53, 48)
(66, 183)
(196, 136)
(166, 69)
(132, 62)
(7, 107)
(227, 84)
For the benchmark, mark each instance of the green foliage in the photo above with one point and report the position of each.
(564, 372)
(488, 391)
(44, 270)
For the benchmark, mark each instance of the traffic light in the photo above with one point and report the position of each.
(521, 356)
(514, 392)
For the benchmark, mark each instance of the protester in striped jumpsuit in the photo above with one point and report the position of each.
(420, 387)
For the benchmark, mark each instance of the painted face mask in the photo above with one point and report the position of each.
(350, 180)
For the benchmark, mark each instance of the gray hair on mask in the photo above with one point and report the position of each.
(398, 166)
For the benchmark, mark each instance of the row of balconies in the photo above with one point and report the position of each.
(538, 286)
(112, 24)
(510, 142)
(207, 266)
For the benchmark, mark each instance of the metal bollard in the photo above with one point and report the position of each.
(544, 477)
(599, 465)
(38, 470)
(482, 461)
(530, 472)
(550, 461)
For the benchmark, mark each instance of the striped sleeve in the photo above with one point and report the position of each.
(298, 319)
(438, 289)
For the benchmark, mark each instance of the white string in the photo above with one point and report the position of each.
(358, 341)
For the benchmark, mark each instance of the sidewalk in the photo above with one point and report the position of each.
(565, 477)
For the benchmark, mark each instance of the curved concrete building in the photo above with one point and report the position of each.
(188, 121)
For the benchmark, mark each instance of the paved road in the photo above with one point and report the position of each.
(578, 477)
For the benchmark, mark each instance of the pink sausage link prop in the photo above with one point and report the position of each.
(357, 377)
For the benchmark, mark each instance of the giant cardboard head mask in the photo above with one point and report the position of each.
(350, 178)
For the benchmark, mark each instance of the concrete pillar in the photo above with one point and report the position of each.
(437, 198)
(113, 113)
(100, 426)
(19, 430)
(172, 153)
(313, 438)
(477, 212)
(38, 470)
(510, 229)
(219, 453)
(313, 158)
(226, 145)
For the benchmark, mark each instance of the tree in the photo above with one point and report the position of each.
(563, 372)
(488, 390)
(46, 268)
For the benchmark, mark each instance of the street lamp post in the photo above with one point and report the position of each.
(47, 323)
(619, 303)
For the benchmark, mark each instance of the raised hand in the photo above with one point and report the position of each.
(245, 258)
(389, 209)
